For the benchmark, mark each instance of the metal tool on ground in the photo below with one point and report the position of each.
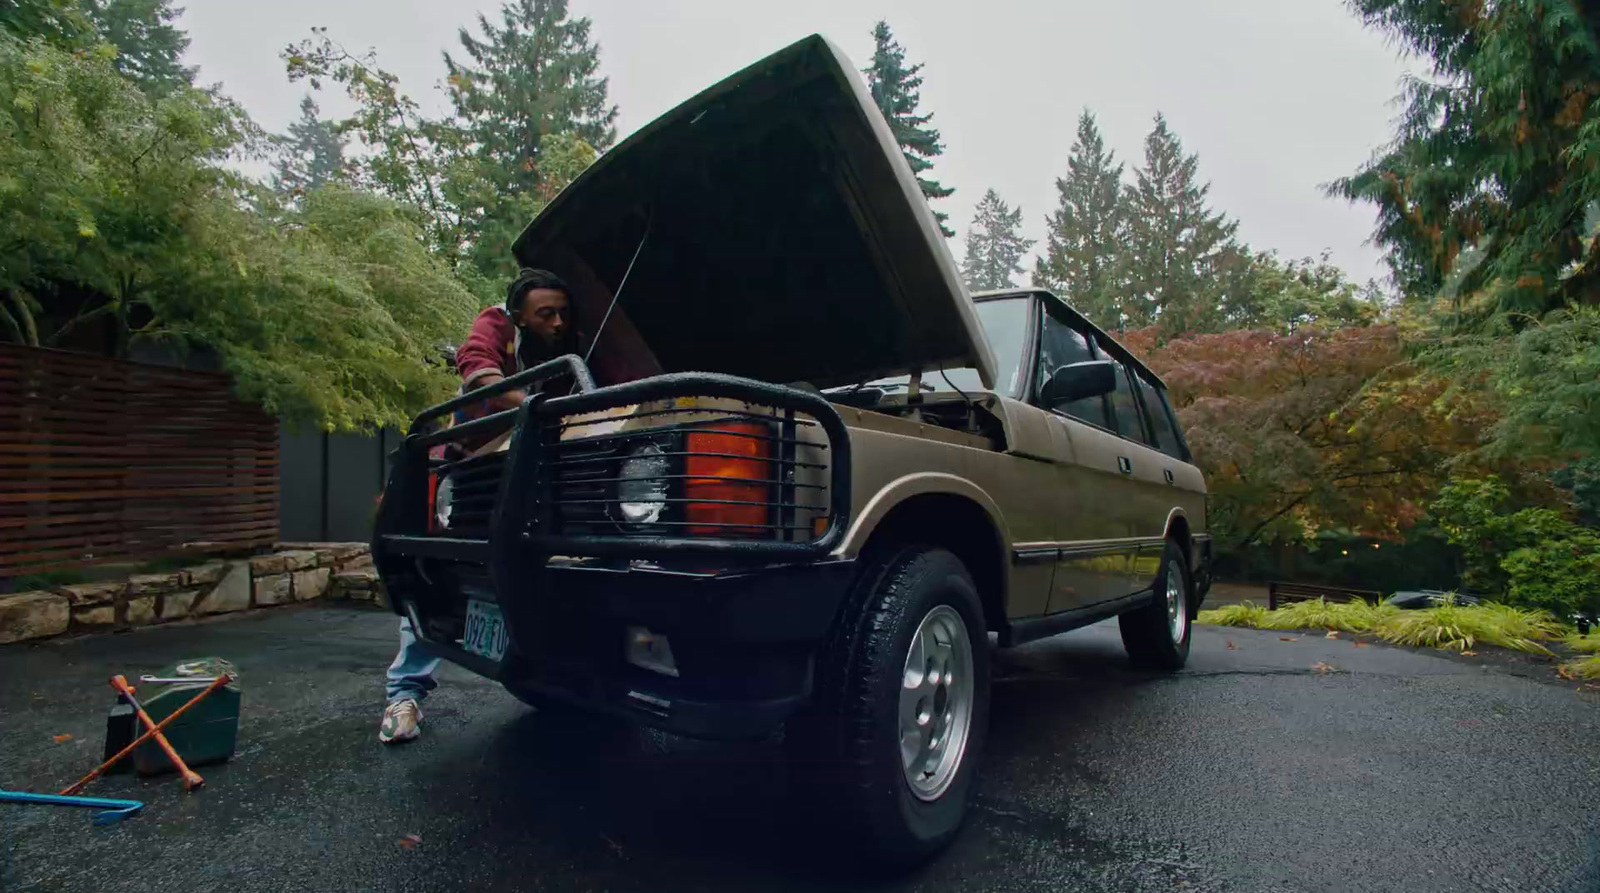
(110, 810)
(78, 785)
(191, 778)
(208, 735)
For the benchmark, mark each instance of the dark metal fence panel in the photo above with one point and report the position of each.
(331, 483)
(105, 460)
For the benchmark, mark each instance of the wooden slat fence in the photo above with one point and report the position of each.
(104, 460)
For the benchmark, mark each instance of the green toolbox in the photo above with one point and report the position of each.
(208, 733)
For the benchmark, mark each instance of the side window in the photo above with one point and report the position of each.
(1124, 406)
(1061, 345)
(1159, 418)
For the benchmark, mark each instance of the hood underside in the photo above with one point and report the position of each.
(774, 231)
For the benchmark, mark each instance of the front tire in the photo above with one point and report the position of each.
(902, 707)
(1157, 635)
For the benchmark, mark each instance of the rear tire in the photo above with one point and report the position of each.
(894, 739)
(1157, 635)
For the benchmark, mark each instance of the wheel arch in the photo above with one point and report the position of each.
(949, 512)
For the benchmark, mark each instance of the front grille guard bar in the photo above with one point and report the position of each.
(521, 528)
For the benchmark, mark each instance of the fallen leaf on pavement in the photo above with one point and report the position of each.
(410, 841)
(1469, 654)
(1564, 673)
(1322, 668)
(1231, 646)
(60, 739)
(1359, 644)
(1287, 639)
(1332, 634)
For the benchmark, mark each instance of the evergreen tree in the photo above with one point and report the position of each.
(534, 77)
(310, 154)
(896, 88)
(1084, 235)
(1498, 151)
(531, 105)
(1174, 243)
(994, 245)
(149, 46)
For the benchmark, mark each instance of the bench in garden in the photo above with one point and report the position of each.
(1283, 593)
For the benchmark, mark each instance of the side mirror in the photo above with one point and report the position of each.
(1077, 382)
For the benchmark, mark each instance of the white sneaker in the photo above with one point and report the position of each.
(402, 721)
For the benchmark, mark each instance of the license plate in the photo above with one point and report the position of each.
(485, 634)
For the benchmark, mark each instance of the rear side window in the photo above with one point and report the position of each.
(1124, 406)
(1159, 417)
(1061, 345)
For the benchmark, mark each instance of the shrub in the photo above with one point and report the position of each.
(1350, 617)
(1247, 614)
(1461, 627)
(1582, 668)
(1589, 643)
(1560, 574)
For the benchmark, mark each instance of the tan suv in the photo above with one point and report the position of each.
(819, 533)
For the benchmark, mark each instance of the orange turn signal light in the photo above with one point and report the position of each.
(727, 480)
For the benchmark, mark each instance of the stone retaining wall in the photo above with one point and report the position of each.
(297, 572)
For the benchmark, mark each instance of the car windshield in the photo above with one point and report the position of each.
(1005, 325)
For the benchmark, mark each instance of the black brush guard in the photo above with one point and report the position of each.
(519, 531)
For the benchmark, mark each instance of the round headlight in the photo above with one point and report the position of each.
(441, 502)
(642, 486)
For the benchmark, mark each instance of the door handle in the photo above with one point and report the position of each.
(1168, 473)
(1125, 465)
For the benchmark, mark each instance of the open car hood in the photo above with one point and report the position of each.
(769, 228)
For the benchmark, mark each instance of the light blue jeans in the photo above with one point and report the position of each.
(411, 674)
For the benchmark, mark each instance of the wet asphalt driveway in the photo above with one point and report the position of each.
(1382, 770)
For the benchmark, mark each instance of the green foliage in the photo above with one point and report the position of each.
(1259, 290)
(1582, 668)
(994, 245)
(408, 155)
(1447, 626)
(336, 309)
(1350, 617)
(1561, 574)
(1083, 237)
(1247, 614)
(896, 87)
(1496, 150)
(1588, 643)
(1462, 627)
(310, 155)
(60, 23)
(1174, 243)
(532, 77)
(1534, 556)
(98, 184)
(149, 46)
(533, 111)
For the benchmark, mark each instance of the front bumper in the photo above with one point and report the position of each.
(742, 637)
(743, 641)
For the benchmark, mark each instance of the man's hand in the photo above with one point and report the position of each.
(508, 400)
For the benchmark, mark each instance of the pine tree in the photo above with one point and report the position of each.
(310, 154)
(149, 46)
(896, 88)
(1174, 243)
(531, 78)
(1499, 151)
(1084, 235)
(994, 245)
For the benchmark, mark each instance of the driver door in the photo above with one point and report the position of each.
(1093, 522)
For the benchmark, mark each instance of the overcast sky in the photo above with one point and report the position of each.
(1276, 96)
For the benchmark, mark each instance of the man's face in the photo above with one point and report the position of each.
(543, 312)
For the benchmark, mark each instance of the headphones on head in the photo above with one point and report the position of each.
(527, 280)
